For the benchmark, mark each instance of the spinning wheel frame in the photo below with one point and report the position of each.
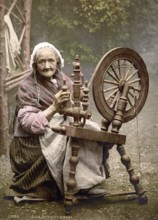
(76, 129)
(121, 65)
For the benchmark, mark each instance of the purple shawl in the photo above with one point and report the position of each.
(38, 91)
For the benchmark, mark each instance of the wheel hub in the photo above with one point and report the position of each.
(121, 84)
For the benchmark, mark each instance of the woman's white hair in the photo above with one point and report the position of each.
(44, 45)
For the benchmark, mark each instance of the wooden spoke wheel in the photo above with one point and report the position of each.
(117, 67)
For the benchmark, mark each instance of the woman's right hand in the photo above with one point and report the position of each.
(60, 98)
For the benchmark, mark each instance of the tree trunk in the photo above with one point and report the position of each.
(3, 95)
(26, 39)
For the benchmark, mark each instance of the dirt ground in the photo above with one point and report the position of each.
(141, 146)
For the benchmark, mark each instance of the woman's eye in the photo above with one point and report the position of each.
(41, 61)
(51, 61)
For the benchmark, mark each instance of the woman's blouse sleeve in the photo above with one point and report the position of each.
(32, 120)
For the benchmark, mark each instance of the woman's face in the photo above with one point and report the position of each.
(46, 62)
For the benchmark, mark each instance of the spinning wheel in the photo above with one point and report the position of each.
(117, 67)
(120, 88)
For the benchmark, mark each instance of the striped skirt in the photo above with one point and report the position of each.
(31, 174)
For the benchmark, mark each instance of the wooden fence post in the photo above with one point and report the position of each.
(26, 39)
(3, 95)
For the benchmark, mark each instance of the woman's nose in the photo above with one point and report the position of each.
(47, 64)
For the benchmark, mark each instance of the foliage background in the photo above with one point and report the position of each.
(91, 28)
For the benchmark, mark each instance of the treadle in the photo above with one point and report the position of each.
(109, 194)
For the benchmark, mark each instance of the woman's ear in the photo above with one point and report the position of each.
(58, 65)
(34, 67)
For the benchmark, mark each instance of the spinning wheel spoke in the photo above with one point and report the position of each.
(129, 101)
(136, 89)
(110, 82)
(136, 71)
(128, 70)
(124, 69)
(111, 94)
(114, 72)
(131, 94)
(110, 74)
(109, 89)
(119, 68)
(135, 81)
(134, 93)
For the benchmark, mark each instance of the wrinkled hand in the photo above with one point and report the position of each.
(61, 98)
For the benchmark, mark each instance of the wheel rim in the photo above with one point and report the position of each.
(118, 66)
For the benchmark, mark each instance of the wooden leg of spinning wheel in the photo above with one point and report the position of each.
(134, 179)
(69, 196)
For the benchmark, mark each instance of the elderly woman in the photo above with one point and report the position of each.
(39, 157)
